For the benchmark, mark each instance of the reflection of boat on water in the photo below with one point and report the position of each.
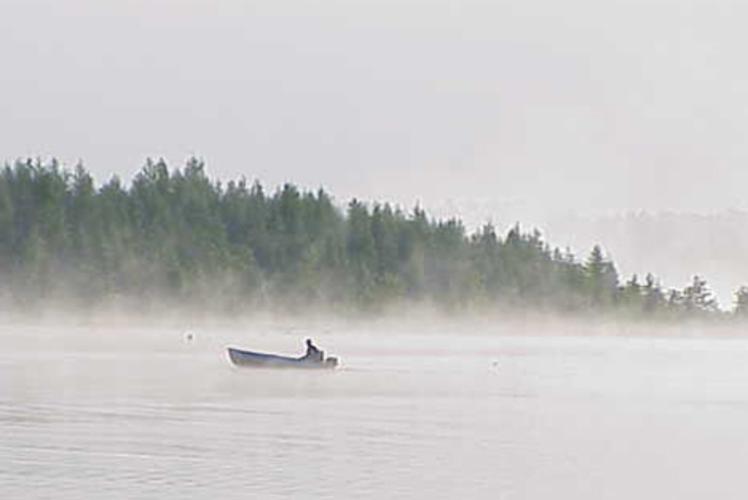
(261, 360)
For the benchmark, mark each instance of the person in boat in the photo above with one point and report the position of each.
(312, 352)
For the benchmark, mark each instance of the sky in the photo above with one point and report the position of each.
(517, 110)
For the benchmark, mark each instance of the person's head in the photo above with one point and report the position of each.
(309, 342)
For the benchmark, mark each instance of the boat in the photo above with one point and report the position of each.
(240, 357)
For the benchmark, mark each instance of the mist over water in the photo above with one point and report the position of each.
(371, 125)
(438, 412)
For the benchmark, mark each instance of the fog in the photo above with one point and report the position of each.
(566, 116)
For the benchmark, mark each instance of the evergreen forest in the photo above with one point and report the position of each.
(180, 237)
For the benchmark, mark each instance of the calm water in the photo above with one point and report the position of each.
(147, 414)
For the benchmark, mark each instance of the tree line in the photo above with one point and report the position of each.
(177, 235)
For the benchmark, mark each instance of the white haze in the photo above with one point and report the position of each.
(555, 114)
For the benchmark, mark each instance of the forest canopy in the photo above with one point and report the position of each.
(179, 236)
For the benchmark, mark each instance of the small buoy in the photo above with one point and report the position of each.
(189, 336)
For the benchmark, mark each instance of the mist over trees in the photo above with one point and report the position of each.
(180, 237)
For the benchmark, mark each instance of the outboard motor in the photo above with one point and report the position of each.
(331, 362)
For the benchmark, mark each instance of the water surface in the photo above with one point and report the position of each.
(145, 413)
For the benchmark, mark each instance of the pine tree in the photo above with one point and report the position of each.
(654, 298)
(602, 278)
(698, 299)
(741, 302)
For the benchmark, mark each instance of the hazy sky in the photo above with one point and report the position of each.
(533, 107)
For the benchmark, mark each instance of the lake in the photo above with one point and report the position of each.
(147, 413)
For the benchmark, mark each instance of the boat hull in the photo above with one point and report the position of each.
(241, 357)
